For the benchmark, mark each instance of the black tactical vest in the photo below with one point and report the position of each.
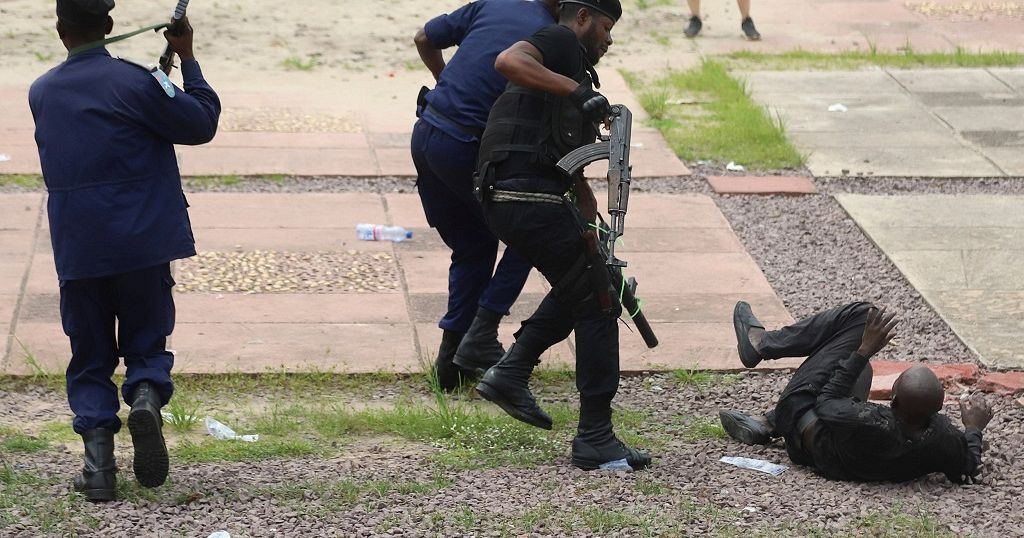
(528, 131)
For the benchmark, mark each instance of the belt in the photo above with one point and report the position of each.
(516, 196)
(475, 132)
(805, 429)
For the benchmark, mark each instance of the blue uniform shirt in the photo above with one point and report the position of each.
(469, 84)
(106, 131)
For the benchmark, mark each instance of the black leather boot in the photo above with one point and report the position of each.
(145, 424)
(480, 349)
(448, 375)
(98, 480)
(597, 447)
(507, 384)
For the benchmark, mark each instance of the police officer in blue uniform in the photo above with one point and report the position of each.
(106, 130)
(549, 108)
(445, 142)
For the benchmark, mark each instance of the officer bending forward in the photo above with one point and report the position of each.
(106, 131)
(548, 109)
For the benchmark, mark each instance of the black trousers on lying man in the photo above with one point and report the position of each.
(823, 413)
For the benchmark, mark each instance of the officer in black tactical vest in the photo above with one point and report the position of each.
(549, 108)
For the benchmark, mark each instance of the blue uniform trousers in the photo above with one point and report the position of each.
(444, 168)
(137, 305)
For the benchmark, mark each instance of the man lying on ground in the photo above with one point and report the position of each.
(825, 418)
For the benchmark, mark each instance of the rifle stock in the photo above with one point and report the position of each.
(167, 58)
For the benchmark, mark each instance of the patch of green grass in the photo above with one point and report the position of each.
(59, 431)
(298, 63)
(727, 125)
(704, 428)
(25, 496)
(325, 497)
(28, 181)
(647, 4)
(650, 486)
(702, 379)
(183, 411)
(905, 58)
(661, 39)
(897, 524)
(215, 450)
(26, 444)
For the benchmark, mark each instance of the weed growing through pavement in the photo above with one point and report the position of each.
(702, 379)
(25, 181)
(905, 58)
(298, 63)
(727, 125)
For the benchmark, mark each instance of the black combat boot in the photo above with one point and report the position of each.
(449, 376)
(507, 384)
(747, 429)
(145, 424)
(597, 447)
(98, 480)
(480, 349)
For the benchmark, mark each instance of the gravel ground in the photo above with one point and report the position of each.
(267, 271)
(388, 488)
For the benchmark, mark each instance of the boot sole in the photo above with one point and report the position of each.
(470, 366)
(99, 495)
(741, 432)
(151, 462)
(493, 396)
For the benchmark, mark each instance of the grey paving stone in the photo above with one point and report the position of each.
(869, 81)
(963, 254)
(961, 99)
(1010, 159)
(995, 139)
(950, 160)
(1011, 76)
(936, 138)
(948, 80)
(983, 118)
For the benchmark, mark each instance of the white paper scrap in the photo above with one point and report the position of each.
(838, 107)
(221, 431)
(773, 469)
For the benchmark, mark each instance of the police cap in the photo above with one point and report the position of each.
(611, 8)
(86, 12)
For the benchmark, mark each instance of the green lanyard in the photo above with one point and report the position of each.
(104, 42)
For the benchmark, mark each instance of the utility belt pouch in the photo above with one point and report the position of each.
(421, 100)
(483, 184)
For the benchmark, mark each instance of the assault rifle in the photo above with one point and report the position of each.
(167, 58)
(615, 148)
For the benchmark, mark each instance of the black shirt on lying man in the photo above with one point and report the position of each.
(825, 417)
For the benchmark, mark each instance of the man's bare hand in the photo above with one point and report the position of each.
(975, 412)
(179, 37)
(879, 329)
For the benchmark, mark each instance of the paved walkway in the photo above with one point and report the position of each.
(931, 123)
(963, 253)
(690, 266)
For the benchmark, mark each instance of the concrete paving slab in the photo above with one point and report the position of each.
(406, 210)
(16, 244)
(995, 139)
(732, 274)
(19, 211)
(40, 307)
(870, 81)
(427, 272)
(45, 342)
(934, 137)
(285, 239)
(42, 276)
(948, 80)
(8, 301)
(762, 185)
(221, 160)
(969, 99)
(1012, 77)
(678, 240)
(983, 118)
(12, 272)
(894, 117)
(394, 162)
(428, 308)
(1010, 159)
(938, 161)
(286, 308)
(263, 347)
(667, 210)
(276, 211)
(976, 286)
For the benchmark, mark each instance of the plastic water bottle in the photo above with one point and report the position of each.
(380, 232)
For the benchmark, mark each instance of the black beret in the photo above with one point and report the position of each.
(84, 11)
(611, 8)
